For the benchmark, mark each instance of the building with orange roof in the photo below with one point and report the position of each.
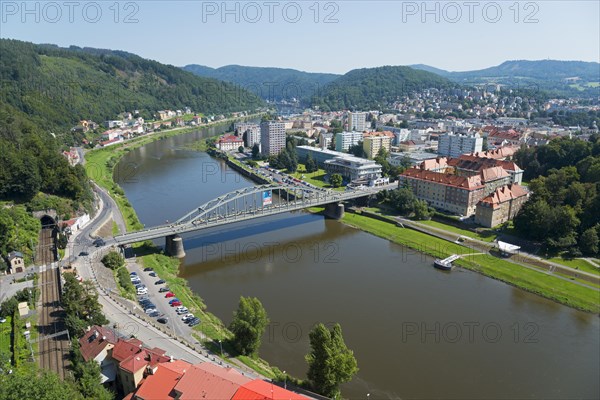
(501, 205)
(210, 382)
(126, 348)
(261, 390)
(159, 385)
(96, 344)
(132, 369)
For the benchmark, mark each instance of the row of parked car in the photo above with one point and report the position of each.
(150, 308)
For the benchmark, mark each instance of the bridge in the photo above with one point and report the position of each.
(245, 204)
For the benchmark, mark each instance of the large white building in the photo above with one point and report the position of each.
(453, 145)
(344, 140)
(357, 121)
(272, 137)
(353, 168)
(252, 132)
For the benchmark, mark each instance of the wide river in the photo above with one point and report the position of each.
(415, 331)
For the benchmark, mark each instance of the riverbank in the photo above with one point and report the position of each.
(529, 279)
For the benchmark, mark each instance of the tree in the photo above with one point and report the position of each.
(330, 362)
(248, 325)
(336, 180)
(422, 210)
(27, 383)
(310, 164)
(255, 150)
(113, 260)
(588, 242)
(357, 150)
(241, 149)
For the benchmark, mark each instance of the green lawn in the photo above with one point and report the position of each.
(545, 285)
(486, 235)
(115, 229)
(576, 263)
(316, 178)
(5, 351)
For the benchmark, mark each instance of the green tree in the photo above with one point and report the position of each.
(113, 260)
(310, 164)
(28, 383)
(422, 210)
(248, 325)
(330, 362)
(241, 149)
(588, 242)
(255, 150)
(336, 180)
(357, 150)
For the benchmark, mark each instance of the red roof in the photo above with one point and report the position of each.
(126, 348)
(469, 183)
(210, 382)
(261, 390)
(503, 194)
(159, 386)
(179, 366)
(95, 341)
(230, 139)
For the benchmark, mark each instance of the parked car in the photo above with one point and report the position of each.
(154, 314)
(147, 269)
(132, 273)
(176, 304)
(194, 322)
(182, 310)
(169, 294)
(142, 291)
(159, 282)
(83, 254)
(173, 300)
(150, 310)
(163, 320)
(187, 317)
(153, 274)
(164, 289)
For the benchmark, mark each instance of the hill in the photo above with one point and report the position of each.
(56, 87)
(375, 88)
(273, 84)
(567, 78)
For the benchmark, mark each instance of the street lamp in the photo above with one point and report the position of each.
(284, 380)
(221, 345)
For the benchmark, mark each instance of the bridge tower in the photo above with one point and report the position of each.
(334, 210)
(174, 246)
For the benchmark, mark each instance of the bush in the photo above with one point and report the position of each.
(124, 279)
(113, 260)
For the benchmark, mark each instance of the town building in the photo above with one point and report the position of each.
(373, 142)
(353, 168)
(96, 345)
(16, 262)
(501, 205)
(325, 140)
(250, 130)
(344, 140)
(272, 137)
(229, 143)
(453, 145)
(357, 121)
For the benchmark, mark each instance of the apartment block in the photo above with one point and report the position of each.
(272, 137)
(454, 145)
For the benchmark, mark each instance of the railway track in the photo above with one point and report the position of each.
(53, 352)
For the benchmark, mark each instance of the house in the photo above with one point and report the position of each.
(159, 385)
(210, 382)
(133, 368)
(72, 156)
(16, 263)
(96, 344)
(262, 390)
(229, 142)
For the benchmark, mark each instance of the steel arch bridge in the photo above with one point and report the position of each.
(245, 204)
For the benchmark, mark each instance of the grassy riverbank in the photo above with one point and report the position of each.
(538, 282)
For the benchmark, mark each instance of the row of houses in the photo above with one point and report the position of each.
(143, 373)
(487, 189)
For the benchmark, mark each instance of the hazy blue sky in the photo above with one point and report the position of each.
(467, 34)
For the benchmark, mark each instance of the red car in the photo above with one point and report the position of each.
(169, 294)
(175, 304)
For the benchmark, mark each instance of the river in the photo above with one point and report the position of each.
(415, 331)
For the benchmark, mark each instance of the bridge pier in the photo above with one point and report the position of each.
(334, 210)
(174, 246)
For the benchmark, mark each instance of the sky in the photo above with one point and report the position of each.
(316, 36)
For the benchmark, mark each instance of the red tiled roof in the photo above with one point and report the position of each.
(503, 194)
(230, 139)
(210, 382)
(376, 134)
(95, 341)
(126, 348)
(159, 386)
(493, 173)
(146, 357)
(434, 163)
(472, 162)
(179, 366)
(261, 390)
(469, 183)
(501, 152)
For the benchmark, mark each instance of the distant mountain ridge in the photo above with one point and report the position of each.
(561, 77)
(269, 83)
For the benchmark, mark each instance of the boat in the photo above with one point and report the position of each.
(443, 265)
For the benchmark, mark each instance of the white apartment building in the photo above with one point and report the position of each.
(453, 145)
(357, 121)
(272, 137)
(344, 140)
